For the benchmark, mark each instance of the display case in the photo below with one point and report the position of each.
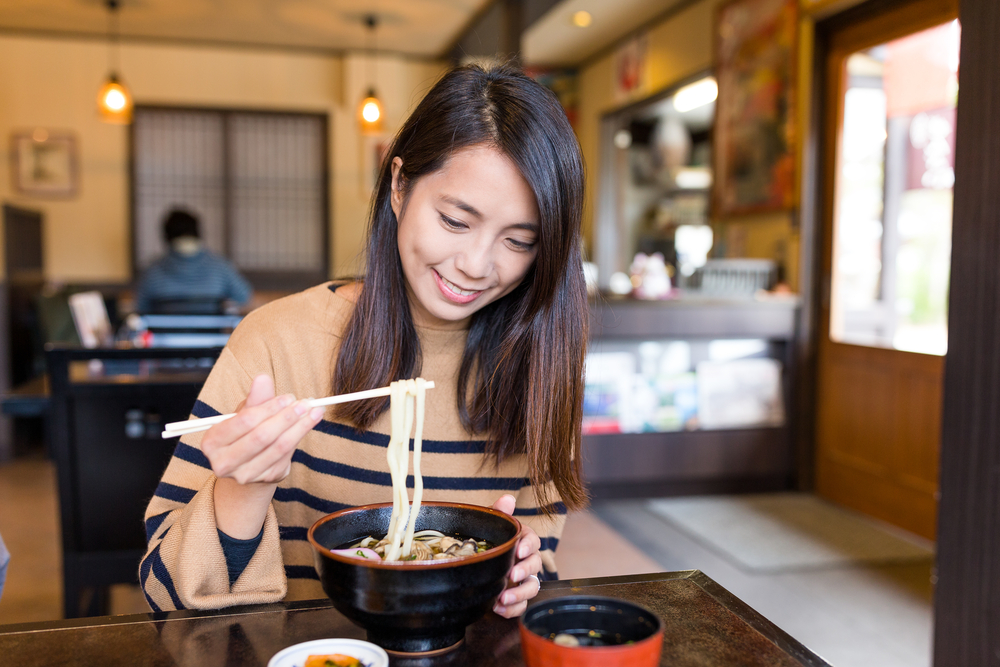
(689, 395)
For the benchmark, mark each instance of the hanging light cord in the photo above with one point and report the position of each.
(113, 37)
(372, 22)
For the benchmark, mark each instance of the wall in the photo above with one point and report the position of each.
(52, 83)
(679, 47)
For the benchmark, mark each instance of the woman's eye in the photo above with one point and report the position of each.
(521, 245)
(449, 222)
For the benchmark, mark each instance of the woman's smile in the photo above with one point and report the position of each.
(453, 292)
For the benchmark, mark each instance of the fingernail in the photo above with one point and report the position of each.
(499, 609)
(316, 414)
(286, 400)
(507, 598)
(301, 407)
(516, 574)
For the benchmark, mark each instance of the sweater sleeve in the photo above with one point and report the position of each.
(185, 566)
(549, 528)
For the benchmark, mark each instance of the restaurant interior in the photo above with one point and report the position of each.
(781, 253)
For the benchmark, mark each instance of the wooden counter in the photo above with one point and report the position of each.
(704, 625)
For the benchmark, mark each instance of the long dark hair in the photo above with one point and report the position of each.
(521, 378)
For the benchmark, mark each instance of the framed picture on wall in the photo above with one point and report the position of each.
(44, 163)
(755, 132)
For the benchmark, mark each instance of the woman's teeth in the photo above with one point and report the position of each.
(456, 289)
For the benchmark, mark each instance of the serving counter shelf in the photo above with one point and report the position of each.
(704, 624)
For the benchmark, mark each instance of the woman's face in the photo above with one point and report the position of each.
(467, 235)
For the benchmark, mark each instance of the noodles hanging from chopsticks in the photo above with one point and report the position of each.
(406, 397)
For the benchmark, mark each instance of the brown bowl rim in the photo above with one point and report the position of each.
(498, 550)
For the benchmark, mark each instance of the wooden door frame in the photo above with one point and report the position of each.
(967, 600)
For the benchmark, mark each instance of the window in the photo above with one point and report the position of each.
(892, 232)
(258, 182)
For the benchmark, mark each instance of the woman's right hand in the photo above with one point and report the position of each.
(257, 444)
(251, 452)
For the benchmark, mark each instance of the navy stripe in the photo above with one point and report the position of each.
(144, 568)
(555, 508)
(293, 533)
(152, 604)
(191, 455)
(366, 476)
(301, 572)
(545, 575)
(153, 523)
(201, 410)
(176, 493)
(160, 570)
(549, 543)
(295, 495)
(380, 440)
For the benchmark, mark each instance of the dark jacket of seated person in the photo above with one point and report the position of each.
(189, 270)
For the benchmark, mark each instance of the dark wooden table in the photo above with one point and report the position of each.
(704, 625)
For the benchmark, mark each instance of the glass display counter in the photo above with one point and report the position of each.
(689, 396)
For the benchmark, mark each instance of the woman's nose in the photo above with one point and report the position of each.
(476, 259)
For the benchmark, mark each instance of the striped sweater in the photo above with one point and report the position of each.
(295, 340)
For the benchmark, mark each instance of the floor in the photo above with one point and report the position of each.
(852, 616)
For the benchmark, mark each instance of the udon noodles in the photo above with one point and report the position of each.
(406, 405)
(401, 542)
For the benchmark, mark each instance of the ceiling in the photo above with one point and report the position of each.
(553, 39)
(423, 28)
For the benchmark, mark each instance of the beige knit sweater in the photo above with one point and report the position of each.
(295, 340)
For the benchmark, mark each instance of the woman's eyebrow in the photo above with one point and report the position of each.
(469, 208)
(458, 203)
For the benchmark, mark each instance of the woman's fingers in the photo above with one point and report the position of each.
(523, 570)
(272, 464)
(514, 600)
(261, 391)
(529, 543)
(259, 440)
(512, 611)
(225, 434)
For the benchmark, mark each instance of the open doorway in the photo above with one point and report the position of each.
(888, 155)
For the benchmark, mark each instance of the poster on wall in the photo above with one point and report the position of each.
(755, 131)
(630, 63)
(44, 163)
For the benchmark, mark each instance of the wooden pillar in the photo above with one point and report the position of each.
(967, 599)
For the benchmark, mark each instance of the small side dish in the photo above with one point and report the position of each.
(334, 660)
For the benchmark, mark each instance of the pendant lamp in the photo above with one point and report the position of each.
(370, 109)
(114, 101)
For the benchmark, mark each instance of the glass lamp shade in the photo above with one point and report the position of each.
(370, 114)
(114, 101)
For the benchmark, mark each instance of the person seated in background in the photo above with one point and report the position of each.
(189, 272)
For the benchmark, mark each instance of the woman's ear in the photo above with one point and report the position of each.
(396, 200)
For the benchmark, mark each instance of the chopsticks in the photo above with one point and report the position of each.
(177, 429)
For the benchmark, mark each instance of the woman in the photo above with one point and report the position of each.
(474, 281)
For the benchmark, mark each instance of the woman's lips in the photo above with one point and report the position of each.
(446, 289)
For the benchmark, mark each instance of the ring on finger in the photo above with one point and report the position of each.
(537, 580)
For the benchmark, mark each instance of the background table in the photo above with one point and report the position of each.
(703, 625)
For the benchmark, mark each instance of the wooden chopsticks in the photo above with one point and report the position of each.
(177, 429)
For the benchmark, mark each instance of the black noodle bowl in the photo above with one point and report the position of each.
(415, 606)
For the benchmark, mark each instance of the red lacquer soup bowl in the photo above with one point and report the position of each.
(589, 631)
